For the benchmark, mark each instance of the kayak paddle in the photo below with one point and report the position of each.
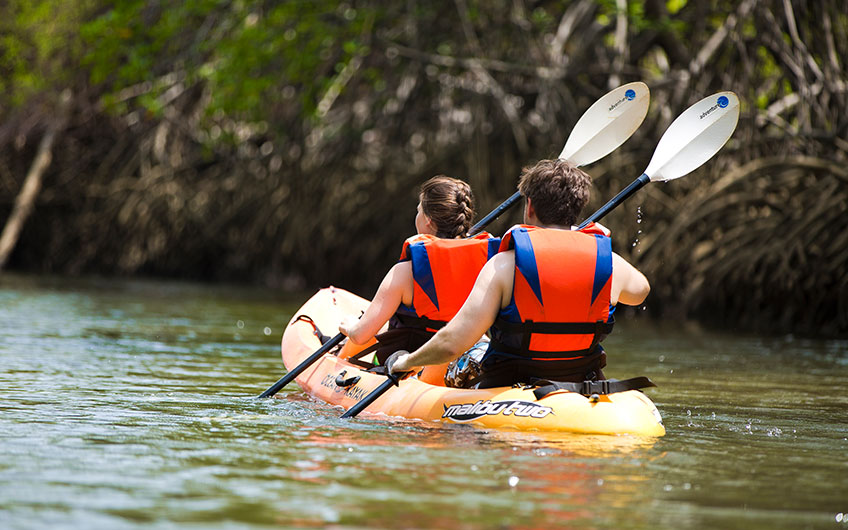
(289, 377)
(391, 380)
(607, 124)
(692, 139)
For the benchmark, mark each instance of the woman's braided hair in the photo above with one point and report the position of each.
(449, 203)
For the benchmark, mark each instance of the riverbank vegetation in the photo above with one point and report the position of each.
(282, 143)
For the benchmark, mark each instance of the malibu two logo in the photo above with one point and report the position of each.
(720, 104)
(471, 411)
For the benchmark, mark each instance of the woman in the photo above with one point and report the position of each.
(429, 284)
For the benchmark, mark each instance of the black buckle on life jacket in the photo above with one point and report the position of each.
(524, 331)
(596, 387)
(590, 388)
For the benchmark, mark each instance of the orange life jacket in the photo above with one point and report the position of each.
(443, 272)
(560, 305)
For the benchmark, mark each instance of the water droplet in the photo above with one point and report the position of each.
(240, 324)
(668, 487)
(474, 467)
(513, 481)
(661, 358)
(840, 517)
(267, 330)
(600, 482)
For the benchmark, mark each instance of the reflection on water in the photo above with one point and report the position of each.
(130, 405)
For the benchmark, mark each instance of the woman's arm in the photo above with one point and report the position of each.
(491, 291)
(396, 288)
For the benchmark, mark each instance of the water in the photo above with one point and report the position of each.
(129, 404)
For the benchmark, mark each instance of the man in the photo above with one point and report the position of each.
(548, 295)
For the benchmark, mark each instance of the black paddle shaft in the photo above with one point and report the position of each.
(391, 380)
(289, 377)
(618, 199)
(494, 214)
(607, 208)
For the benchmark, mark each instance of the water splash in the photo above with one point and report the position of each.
(639, 231)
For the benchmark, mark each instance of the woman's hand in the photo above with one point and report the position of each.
(348, 326)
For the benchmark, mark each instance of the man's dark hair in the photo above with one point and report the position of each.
(557, 189)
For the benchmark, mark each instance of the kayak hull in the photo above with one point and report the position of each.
(629, 412)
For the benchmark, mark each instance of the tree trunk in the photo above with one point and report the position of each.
(25, 201)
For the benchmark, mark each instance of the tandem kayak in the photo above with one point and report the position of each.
(333, 379)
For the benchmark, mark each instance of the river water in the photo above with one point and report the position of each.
(129, 404)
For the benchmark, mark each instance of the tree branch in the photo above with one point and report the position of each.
(25, 200)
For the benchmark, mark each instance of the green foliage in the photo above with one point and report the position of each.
(245, 53)
(769, 69)
(37, 39)
(638, 21)
(541, 18)
(674, 6)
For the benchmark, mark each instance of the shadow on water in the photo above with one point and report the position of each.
(131, 404)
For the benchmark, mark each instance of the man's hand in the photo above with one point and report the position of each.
(397, 366)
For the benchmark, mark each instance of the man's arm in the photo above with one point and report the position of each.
(629, 286)
(473, 319)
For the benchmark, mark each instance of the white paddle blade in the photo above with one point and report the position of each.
(694, 137)
(607, 124)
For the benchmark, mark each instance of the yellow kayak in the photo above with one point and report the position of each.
(627, 412)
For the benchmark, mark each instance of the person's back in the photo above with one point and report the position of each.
(443, 273)
(559, 310)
